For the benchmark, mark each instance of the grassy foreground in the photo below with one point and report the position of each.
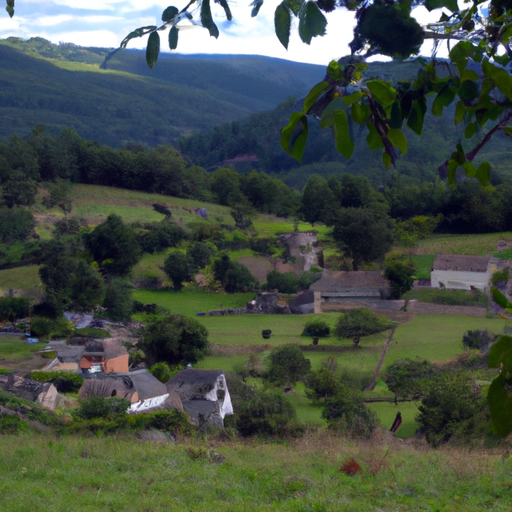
(110, 474)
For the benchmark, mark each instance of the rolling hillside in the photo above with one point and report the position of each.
(63, 87)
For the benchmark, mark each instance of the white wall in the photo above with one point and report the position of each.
(456, 280)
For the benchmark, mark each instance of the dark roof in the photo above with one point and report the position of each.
(125, 384)
(193, 384)
(296, 239)
(333, 281)
(456, 262)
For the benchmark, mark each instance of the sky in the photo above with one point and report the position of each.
(105, 23)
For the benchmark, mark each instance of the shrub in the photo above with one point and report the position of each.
(500, 277)
(322, 384)
(12, 308)
(478, 339)
(283, 283)
(42, 327)
(287, 364)
(317, 328)
(346, 413)
(268, 415)
(172, 421)
(449, 407)
(12, 424)
(408, 378)
(100, 407)
(163, 372)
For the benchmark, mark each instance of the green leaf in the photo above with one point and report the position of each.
(314, 94)
(360, 113)
(469, 74)
(349, 99)
(443, 99)
(468, 91)
(173, 38)
(500, 406)
(459, 54)
(499, 298)
(334, 71)
(435, 4)
(508, 130)
(373, 138)
(382, 91)
(500, 77)
(327, 118)
(396, 119)
(415, 120)
(469, 169)
(483, 173)
(169, 13)
(256, 6)
(506, 33)
(312, 22)
(10, 7)
(207, 20)
(294, 137)
(460, 112)
(225, 6)
(500, 355)
(153, 49)
(342, 139)
(398, 139)
(282, 22)
(470, 130)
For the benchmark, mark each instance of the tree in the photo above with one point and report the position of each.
(317, 200)
(409, 378)
(449, 407)
(360, 322)
(322, 384)
(364, 234)
(199, 254)
(174, 339)
(316, 327)
(478, 339)
(114, 246)
(287, 364)
(176, 267)
(118, 299)
(345, 411)
(233, 276)
(15, 224)
(399, 271)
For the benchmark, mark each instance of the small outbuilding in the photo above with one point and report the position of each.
(204, 394)
(453, 271)
(104, 356)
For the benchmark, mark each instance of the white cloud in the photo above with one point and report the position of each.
(51, 21)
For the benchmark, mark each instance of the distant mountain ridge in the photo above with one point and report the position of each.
(62, 86)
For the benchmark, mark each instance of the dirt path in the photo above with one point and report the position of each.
(371, 385)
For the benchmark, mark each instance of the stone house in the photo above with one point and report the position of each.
(349, 286)
(204, 395)
(105, 356)
(453, 271)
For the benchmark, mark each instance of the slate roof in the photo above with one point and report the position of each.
(336, 280)
(458, 263)
(193, 384)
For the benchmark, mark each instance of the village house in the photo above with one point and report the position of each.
(349, 286)
(105, 356)
(204, 395)
(453, 271)
(139, 387)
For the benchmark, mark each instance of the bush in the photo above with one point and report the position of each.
(322, 384)
(12, 308)
(65, 382)
(346, 413)
(15, 224)
(500, 277)
(42, 327)
(409, 378)
(172, 421)
(450, 407)
(268, 415)
(12, 424)
(317, 328)
(163, 372)
(118, 299)
(287, 364)
(283, 283)
(478, 339)
(100, 407)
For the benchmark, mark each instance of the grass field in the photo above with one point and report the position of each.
(125, 474)
(471, 245)
(13, 347)
(437, 338)
(423, 264)
(21, 278)
(447, 297)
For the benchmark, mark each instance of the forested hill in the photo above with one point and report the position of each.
(62, 86)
